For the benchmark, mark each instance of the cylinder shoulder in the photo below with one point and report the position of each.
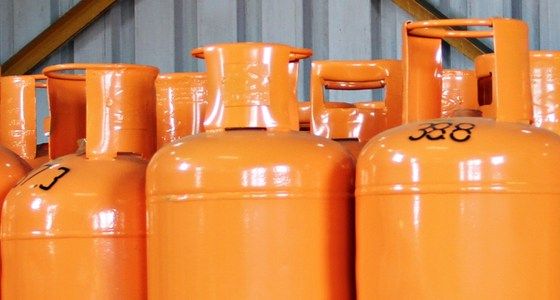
(74, 196)
(468, 150)
(12, 169)
(251, 158)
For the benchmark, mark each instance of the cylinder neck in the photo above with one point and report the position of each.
(18, 113)
(247, 86)
(119, 110)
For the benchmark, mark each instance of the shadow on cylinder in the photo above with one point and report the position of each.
(460, 208)
(74, 228)
(252, 208)
(354, 124)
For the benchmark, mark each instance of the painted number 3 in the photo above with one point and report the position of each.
(460, 132)
(61, 172)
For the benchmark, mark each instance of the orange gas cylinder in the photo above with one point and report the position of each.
(251, 209)
(460, 208)
(459, 94)
(181, 100)
(545, 75)
(75, 227)
(18, 112)
(356, 123)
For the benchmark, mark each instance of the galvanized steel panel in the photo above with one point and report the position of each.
(162, 32)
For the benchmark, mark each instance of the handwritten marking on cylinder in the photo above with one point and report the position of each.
(55, 179)
(437, 131)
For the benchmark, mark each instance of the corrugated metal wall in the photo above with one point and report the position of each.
(162, 32)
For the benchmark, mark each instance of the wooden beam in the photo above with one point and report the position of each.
(56, 35)
(422, 10)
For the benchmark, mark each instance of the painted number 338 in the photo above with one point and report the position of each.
(460, 132)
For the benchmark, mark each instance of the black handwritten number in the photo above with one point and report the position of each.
(423, 132)
(432, 131)
(462, 127)
(436, 131)
(440, 129)
(50, 185)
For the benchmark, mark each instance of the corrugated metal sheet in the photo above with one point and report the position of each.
(162, 32)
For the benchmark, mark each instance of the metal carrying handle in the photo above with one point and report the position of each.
(345, 75)
(134, 133)
(55, 71)
(354, 85)
(429, 29)
(20, 104)
(422, 47)
(339, 121)
(300, 53)
(295, 53)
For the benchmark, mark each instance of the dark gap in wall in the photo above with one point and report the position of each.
(114, 21)
(516, 9)
(54, 10)
(537, 24)
(241, 20)
(375, 17)
(179, 37)
(307, 9)
(190, 35)
(128, 31)
(10, 32)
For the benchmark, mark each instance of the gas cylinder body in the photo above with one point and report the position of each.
(459, 212)
(460, 208)
(79, 235)
(74, 228)
(261, 224)
(251, 209)
(181, 99)
(18, 113)
(353, 124)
